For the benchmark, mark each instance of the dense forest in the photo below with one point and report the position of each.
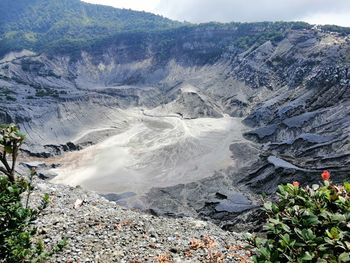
(71, 25)
(39, 24)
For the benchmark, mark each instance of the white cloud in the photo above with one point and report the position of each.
(312, 11)
(342, 19)
(140, 5)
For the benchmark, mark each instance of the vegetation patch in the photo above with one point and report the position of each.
(307, 224)
(18, 240)
(43, 92)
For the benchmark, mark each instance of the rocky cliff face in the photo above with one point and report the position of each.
(293, 92)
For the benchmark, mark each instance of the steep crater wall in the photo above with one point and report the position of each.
(293, 91)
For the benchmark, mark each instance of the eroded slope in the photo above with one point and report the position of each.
(292, 90)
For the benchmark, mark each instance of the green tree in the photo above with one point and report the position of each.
(18, 240)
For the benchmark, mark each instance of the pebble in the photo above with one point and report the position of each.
(100, 231)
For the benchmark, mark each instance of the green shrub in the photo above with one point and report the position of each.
(307, 224)
(18, 240)
(10, 141)
(42, 92)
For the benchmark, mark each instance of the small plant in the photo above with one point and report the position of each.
(18, 241)
(16, 225)
(307, 224)
(42, 92)
(11, 140)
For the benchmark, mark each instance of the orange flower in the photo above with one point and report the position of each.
(296, 183)
(325, 175)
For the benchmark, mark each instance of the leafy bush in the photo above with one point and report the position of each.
(307, 224)
(18, 242)
(16, 224)
(10, 141)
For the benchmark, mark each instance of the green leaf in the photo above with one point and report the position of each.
(274, 221)
(307, 256)
(347, 187)
(285, 228)
(268, 206)
(328, 240)
(62, 243)
(344, 257)
(46, 197)
(308, 234)
(275, 208)
(285, 240)
(338, 218)
(310, 219)
(265, 252)
(333, 233)
(323, 247)
(281, 189)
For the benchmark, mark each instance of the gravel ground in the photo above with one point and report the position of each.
(101, 231)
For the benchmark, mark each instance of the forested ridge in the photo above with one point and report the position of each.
(41, 24)
(72, 25)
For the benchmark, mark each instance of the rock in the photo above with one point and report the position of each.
(197, 224)
(46, 175)
(235, 203)
(190, 104)
(92, 236)
(78, 203)
(37, 165)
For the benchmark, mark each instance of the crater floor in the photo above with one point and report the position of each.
(152, 151)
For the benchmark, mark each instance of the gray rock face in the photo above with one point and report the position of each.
(190, 103)
(294, 94)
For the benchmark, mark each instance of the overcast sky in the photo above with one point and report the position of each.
(313, 11)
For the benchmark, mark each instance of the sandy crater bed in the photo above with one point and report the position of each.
(152, 152)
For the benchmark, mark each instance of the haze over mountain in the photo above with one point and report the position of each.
(174, 117)
(195, 11)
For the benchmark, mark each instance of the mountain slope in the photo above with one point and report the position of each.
(39, 24)
(288, 81)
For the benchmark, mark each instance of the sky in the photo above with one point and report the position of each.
(335, 12)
